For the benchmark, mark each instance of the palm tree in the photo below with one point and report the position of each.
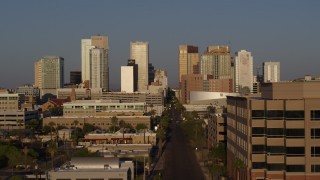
(20, 123)
(160, 135)
(238, 164)
(51, 124)
(144, 127)
(75, 123)
(122, 125)
(114, 122)
(25, 152)
(52, 149)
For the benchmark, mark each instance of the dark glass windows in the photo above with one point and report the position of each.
(275, 132)
(295, 115)
(258, 131)
(275, 114)
(315, 115)
(295, 168)
(257, 114)
(315, 133)
(295, 151)
(295, 133)
(315, 151)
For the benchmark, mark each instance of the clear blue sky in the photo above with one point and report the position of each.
(285, 31)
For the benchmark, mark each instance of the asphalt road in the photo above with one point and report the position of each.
(180, 160)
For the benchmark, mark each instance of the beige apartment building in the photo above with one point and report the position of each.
(217, 129)
(188, 60)
(277, 135)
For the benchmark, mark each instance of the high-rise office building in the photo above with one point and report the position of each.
(49, 74)
(75, 77)
(243, 71)
(271, 71)
(216, 61)
(188, 60)
(151, 72)
(95, 61)
(139, 51)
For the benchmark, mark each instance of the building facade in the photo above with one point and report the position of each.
(243, 71)
(75, 77)
(127, 79)
(49, 74)
(216, 61)
(188, 60)
(271, 71)
(275, 136)
(95, 61)
(139, 51)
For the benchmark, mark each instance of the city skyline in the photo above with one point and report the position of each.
(289, 34)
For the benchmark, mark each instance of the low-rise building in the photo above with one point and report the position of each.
(102, 122)
(98, 168)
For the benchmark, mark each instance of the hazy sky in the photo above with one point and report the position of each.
(285, 31)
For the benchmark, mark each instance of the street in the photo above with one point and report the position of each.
(180, 160)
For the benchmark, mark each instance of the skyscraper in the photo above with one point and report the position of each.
(95, 61)
(188, 60)
(216, 61)
(49, 74)
(243, 71)
(271, 71)
(139, 51)
(75, 77)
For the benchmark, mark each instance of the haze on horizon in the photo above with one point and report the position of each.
(285, 31)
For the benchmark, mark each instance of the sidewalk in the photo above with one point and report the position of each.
(201, 159)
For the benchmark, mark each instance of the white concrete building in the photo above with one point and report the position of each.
(271, 71)
(94, 61)
(243, 70)
(139, 51)
(127, 79)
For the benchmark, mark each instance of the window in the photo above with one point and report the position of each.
(295, 133)
(258, 165)
(295, 115)
(276, 150)
(258, 149)
(315, 133)
(295, 168)
(315, 151)
(275, 167)
(258, 131)
(275, 132)
(315, 168)
(258, 114)
(295, 151)
(275, 114)
(315, 115)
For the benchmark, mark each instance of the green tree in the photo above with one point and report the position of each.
(52, 150)
(56, 111)
(88, 128)
(33, 125)
(83, 152)
(141, 126)
(20, 123)
(238, 165)
(51, 125)
(114, 123)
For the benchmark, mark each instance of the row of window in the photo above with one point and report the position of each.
(284, 114)
(282, 150)
(281, 167)
(281, 132)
